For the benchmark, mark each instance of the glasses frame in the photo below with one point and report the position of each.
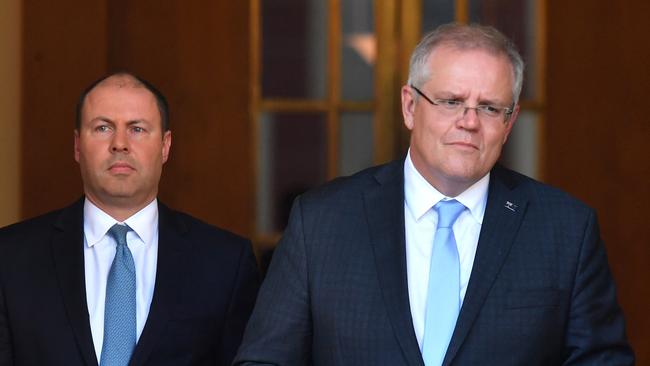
(436, 102)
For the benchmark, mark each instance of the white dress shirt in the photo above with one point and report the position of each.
(99, 251)
(420, 221)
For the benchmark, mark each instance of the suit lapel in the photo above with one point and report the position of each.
(503, 215)
(67, 252)
(171, 267)
(384, 206)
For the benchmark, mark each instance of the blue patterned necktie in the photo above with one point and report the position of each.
(120, 310)
(443, 296)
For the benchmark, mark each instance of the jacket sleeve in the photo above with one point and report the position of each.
(595, 332)
(280, 329)
(241, 304)
(6, 353)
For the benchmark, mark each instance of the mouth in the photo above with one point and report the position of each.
(463, 145)
(120, 168)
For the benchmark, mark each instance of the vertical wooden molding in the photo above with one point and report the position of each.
(411, 25)
(385, 70)
(255, 36)
(333, 86)
(10, 102)
(410, 34)
(540, 91)
(462, 11)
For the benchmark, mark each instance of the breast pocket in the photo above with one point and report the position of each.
(533, 298)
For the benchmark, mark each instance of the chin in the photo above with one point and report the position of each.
(461, 168)
(119, 191)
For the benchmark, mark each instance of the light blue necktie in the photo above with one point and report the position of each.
(443, 296)
(120, 310)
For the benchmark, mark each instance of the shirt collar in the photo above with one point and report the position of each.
(420, 196)
(97, 222)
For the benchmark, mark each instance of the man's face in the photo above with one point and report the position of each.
(120, 145)
(452, 153)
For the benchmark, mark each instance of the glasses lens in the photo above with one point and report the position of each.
(489, 112)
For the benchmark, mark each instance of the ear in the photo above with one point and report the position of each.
(408, 106)
(167, 144)
(76, 145)
(511, 121)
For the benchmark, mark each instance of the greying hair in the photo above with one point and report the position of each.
(465, 37)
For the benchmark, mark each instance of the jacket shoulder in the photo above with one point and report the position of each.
(30, 227)
(202, 234)
(355, 184)
(540, 193)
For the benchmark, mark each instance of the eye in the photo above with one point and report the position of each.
(137, 129)
(102, 128)
(449, 103)
(489, 110)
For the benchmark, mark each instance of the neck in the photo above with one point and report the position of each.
(451, 189)
(120, 212)
(446, 185)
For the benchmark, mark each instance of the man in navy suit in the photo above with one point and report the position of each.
(367, 273)
(118, 278)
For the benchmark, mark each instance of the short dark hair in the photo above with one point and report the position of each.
(161, 102)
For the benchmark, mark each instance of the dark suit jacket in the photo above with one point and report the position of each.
(206, 283)
(540, 292)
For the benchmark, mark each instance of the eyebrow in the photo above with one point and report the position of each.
(455, 96)
(492, 102)
(136, 121)
(101, 119)
(448, 95)
(129, 123)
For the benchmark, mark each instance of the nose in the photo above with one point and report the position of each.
(470, 119)
(120, 142)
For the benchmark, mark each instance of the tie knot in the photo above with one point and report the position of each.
(118, 232)
(448, 212)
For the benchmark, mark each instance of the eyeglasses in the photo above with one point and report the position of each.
(456, 108)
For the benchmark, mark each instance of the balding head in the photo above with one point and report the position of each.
(124, 79)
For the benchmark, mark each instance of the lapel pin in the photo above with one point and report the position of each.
(511, 206)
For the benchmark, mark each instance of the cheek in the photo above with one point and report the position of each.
(425, 128)
(92, 156)
(152, 157)
(494, 143)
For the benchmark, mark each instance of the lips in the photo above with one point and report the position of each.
(121, 167)
(462, 144)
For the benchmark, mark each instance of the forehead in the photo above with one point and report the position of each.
(120, 98)
(471, 70)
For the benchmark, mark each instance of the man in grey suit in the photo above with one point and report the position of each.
(444, 257)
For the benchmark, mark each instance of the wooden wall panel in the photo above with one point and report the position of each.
(10, 46)
(195, 52)
(598, 134)
(64, 46)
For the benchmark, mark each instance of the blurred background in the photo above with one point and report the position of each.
(271, 97)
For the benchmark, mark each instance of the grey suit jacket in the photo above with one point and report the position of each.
(540, 292)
